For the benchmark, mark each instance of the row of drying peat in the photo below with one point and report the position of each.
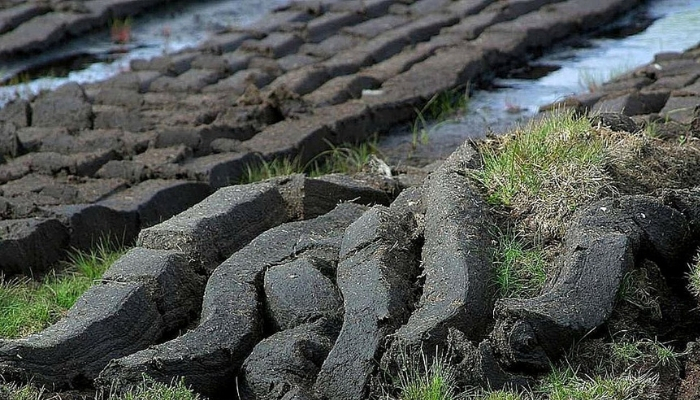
(273, 290)
(104, 160)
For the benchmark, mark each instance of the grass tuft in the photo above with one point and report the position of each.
(440, 109)
(637, 289)
(623, 369)
(592, 80)
(419, 378)
(693, 276)
(151, 390)
(546, 170)
(270, 169)
(12, 391)
(28, 306)
(500, 395)
(565, 384)
(521, 268)
(147, 390)
(644, 354)
(346, 158)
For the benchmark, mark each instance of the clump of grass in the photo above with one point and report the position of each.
(624, 368)
(642, 354)
(500, 395)
(651, 130)
(521, 268)
(12, 391)
(637, 289)
(566, 383)
(563, 383)
(592, 80)
(345, 158)
(420, 378)
(693, 276)
(147, 390)
(151, 390)
(270, 169)
(28, 306)
(547, 169)
(445, 105)
(440, 109)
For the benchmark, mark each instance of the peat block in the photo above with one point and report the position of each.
(232, 318)
(297, 292)
(376, 277)
(29, 246)
(287, 362)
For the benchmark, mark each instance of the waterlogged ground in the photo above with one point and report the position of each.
(567, 71)
(168, 30)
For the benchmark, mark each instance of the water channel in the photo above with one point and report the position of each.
(94, 57)
(568, 70)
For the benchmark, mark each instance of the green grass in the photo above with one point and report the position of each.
(693, 276)
(18, 79)
(440, 109)
(521, 268)
(345, 158)
(637, 289)
(28, 306)
(11, 391)
(148, 390)
(564, 383)
(592, 80)
(623, 369)
(270, 169)
(499, 395)
(420, 378)
(546, 170)
(642, 354)
(652, 130)
(434, 386)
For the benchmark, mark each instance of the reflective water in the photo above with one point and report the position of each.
(676, 27)
(168, 30)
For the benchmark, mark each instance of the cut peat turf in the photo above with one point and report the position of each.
(550, 263)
